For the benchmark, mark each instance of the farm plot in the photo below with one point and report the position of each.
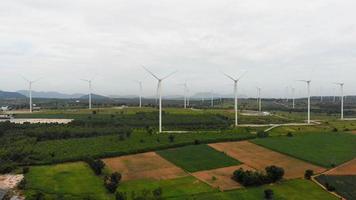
(258, 157)
(197, 158)
(297, 189)
(348, 168)
(324, 149)
(184, 186)
(344, 185)
(221, 178)
(144, 166)
(65, 181)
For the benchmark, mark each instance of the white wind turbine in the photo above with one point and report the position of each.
(140, 95)
(308, 88)
(89, 81)
(186, 90)
(30, 82)
(235, 93)
(259, 102)
(293, 97)
(342, 98)
(159, 92)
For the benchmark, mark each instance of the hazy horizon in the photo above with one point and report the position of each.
(276, 42)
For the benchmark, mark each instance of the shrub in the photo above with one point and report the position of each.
(274, 173)
(112, 182)
(335, 129)
(262, 134)
(25, 170)
(96, 165)
(157, 193)
(289, 134)
(268, 194)
(196, 142)
(171, 138)
(308, 174)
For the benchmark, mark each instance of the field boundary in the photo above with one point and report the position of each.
(324, 188)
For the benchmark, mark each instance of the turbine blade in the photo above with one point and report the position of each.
(150, 72)
(242, 75)
(169, 75)
(228, 76)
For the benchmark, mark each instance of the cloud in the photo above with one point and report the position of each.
(276, 41)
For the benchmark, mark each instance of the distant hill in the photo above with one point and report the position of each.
(207, 95)
(50, 95)
(94, 96)
(11, 95)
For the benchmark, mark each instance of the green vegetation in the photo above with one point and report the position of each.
(66, 181)
(324, 149)
(295, 189)
(344, 185)
(197, 158)
(170, 188)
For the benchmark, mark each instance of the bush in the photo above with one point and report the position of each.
(157, 193)
(25, 170)
(274, 173)
(289, 134)
(171, 138)
(308, 174)
(335, 130)
(254, 178)
(96, 165)
(268, 194)
(112, 182)
(262, 134)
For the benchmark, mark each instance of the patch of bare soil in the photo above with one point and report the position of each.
(144, 165)
(259, 158)
(221, 178)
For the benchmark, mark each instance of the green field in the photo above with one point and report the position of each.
(197, 158)
(66, 181)
(324, 149)
(297, 189)
(105, 146)
(171, 188)
(344, 185)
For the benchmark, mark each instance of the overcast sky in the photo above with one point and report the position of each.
(275, 41)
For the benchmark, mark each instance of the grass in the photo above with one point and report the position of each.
(297, 189)
(105, 146)
(197, 158)
(324, 149)
(344, 185)
(67, 181)
(170, 188)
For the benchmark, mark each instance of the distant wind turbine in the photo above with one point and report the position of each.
(236, 80)
(186, 90)
(308, 88)
(259, 99)
(90, 90)
(342, 98)
(30, 82)
(293, 97)
(159, 92)
(140, 94)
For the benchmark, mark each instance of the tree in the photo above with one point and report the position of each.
(308, 174)
(112, 182)
(171, 138)
(268, 194)
(157, 193)
(274, 173)
(120, 196)
(96, 165)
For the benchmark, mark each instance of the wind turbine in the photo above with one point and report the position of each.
(235, 93)
(342, 99)
(89, 81)
(308, 88)
(159, 92)
(259, 103)
(140, 95)
(212, 99)
(186, 90)
(293, 97)
(30, 82)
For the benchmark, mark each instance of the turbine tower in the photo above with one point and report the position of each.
(308, 88)
(293, 97)
(342, 99)
(140, 95)
(159, 92)
(186, 90)
(235, 93)
(90, 90)
(30, 82)
(259, 99)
